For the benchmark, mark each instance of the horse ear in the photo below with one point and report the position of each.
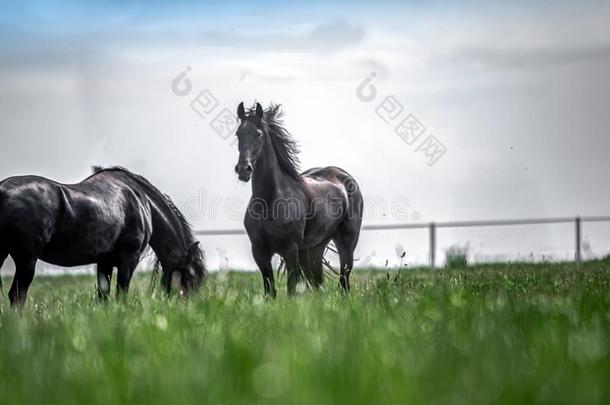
(241, 112)
(259, 111)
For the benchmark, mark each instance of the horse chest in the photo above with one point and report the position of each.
(274, 231)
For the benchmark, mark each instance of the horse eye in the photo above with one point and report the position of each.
(260, 132)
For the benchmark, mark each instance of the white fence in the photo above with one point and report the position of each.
(570, 227)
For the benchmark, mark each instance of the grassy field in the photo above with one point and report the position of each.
(490, 334)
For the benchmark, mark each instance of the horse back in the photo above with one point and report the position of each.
(64, 224)
(322, 179)
(102, 214)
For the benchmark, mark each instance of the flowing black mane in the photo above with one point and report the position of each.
(187, 234)
(286, 148)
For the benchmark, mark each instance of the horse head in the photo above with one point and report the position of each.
(249, 136)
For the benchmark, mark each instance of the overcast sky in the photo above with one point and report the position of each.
(518, 95)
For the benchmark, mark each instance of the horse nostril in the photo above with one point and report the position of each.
(237, 169)
(249, 169)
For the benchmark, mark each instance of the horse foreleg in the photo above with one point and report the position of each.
(24, 274)
(293, 269)
(125, 271)
(263, 261)
(104, 277)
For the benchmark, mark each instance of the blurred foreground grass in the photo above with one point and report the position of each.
(490, 334)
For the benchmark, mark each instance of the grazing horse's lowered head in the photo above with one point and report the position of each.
(189, 272)
(171, 236)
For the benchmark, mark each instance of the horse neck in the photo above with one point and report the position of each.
(167, 240)
(268, 178)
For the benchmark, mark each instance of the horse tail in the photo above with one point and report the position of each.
(354, 200)
(154, 277)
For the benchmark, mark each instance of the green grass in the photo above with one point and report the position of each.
(488, 334)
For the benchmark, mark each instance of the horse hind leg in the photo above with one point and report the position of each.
(262, 257)
(346, 237)
(24, 274)
(311, 262)
(125, 269)
(345, 241)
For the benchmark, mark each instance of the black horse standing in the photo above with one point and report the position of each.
(109, 219)
(291, 214)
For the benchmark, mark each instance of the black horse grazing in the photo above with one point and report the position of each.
(291, 214)
(109, 219)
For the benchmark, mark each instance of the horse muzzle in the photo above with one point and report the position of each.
(244, 171)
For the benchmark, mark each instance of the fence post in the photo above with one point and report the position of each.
(432, 245)
(577, 255)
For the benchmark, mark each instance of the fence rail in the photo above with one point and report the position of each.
(434, 226)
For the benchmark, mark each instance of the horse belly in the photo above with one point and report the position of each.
(319, 231)
(69, 256)
(80, 245)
